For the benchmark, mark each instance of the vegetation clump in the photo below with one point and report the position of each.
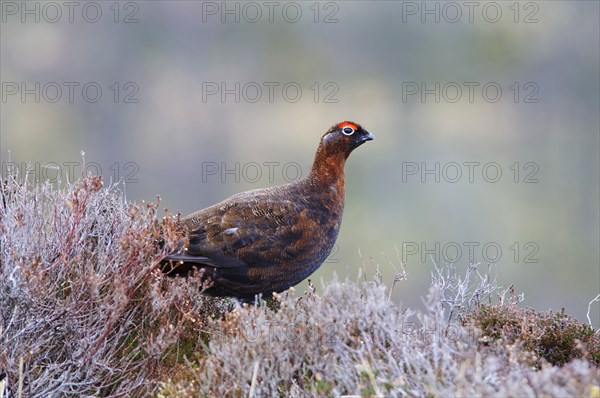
(554, 337)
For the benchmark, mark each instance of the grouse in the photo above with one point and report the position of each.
(267, 240)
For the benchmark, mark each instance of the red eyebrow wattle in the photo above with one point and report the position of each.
(348, 124)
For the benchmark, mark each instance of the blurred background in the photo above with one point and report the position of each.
(486, 117)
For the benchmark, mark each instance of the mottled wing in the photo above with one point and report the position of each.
(249, 231)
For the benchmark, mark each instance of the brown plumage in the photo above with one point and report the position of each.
(267, 240)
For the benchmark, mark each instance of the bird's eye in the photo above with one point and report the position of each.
(348, 130)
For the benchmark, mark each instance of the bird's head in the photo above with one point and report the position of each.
(335, 147)
(344, 137)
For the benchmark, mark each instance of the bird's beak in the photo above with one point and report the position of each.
(368, 137)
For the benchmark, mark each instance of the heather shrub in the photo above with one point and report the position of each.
(85, 312)
(353, 341)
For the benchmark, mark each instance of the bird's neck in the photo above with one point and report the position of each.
(327, 172)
